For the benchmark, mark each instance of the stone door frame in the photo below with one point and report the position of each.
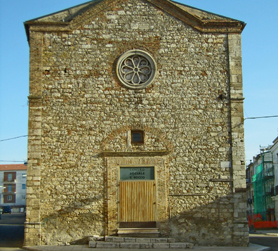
(113, 164)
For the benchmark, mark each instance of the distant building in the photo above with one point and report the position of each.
(250, 191)
(262, 188)
(13, 186)
(274, 150)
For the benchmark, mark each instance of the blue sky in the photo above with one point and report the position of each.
(260, 68)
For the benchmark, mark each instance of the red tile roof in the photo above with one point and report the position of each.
(13, 167)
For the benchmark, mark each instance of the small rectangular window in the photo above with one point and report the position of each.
(9, 176)
(23, 186)
(10, 188)
(9, 198)
(137, 136)
(23, 197)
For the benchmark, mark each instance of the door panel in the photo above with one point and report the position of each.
(137, 201)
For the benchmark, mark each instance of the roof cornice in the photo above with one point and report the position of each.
(45, 26)
(206, 26)
(225, 25)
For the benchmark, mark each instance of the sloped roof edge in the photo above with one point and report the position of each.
(65, 14)
(61, 17)
(201, 20)
(208, 12)
(214, 23)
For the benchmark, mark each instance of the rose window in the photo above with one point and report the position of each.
(136, 69)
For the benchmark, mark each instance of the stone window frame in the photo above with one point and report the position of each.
(148, 62)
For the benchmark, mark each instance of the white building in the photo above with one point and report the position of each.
(274, 151)
(262, 184)
(13, 186)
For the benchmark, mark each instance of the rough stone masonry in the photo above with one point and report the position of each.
(106, 71)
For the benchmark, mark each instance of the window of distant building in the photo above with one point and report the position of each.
(23, 186)
(9, 197)
(10, 188)
(10, 177)
(23, 197)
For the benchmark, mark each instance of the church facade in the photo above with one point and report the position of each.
(135, 124)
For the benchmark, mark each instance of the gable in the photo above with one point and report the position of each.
(84, 117)
(73, 17)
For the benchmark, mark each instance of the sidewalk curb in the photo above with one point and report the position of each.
(272, 234)
(269, 234)
(254, 247)
(30, 248)
(266, 249)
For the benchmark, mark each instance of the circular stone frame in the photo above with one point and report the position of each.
(136, 69)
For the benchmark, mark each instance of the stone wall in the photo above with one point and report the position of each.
(191, 114)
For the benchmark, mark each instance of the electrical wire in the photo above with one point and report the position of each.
(262, 117)
(14, 138)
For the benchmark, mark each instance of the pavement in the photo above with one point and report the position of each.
(14, 219)
(252, 247)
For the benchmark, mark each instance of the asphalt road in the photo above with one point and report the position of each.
(264, 240)
(12, 230)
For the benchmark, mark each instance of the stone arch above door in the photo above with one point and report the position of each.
(119, 140)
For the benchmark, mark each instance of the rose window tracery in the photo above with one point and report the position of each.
(136, 69)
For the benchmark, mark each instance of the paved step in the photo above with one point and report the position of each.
(138, 240)
(176, 245)
(138, 232)
(138, 243)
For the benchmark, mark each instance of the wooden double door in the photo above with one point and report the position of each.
(137, 195)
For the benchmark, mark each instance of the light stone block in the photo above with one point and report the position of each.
(171, 240)
(143, 240)
(92, 244)
(130, 239)
(130, 245)
(118, 239)
(161, 245)
(145, 245)
(179, 245)
(102, 244)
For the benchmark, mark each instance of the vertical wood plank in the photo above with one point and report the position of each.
(137, 201)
